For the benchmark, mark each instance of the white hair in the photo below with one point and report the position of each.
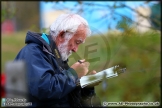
(68, 23)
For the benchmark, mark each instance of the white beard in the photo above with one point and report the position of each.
(63, 49)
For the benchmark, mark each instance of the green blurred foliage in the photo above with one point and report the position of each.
(7, 11)
(24, 14)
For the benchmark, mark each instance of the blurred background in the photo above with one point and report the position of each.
(124, 33)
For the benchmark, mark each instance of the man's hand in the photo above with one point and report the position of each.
(94, 84)
(81, 68)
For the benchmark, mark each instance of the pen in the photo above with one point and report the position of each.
(80, 61)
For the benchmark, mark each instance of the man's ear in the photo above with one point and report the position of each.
(61, 36)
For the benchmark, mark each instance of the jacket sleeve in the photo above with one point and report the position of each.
(44, 81)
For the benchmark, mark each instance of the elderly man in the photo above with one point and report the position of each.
(51, 81)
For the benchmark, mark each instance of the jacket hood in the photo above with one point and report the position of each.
(32, 37)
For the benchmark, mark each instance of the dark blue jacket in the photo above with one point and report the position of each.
(48, 84)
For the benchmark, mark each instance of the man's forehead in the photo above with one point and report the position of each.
(81, 30)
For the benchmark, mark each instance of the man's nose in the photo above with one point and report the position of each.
(75, 49)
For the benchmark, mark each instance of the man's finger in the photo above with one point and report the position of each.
(93, 72)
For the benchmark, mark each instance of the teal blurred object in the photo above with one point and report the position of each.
(155, 16)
